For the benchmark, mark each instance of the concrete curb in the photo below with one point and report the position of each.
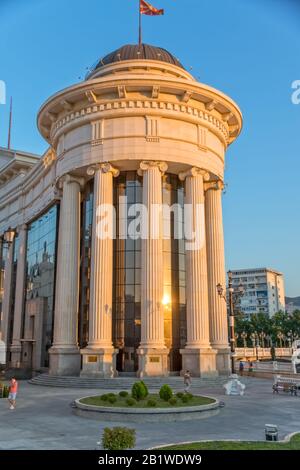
(149, 415)
(285, 440)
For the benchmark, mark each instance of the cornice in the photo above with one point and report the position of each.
(134, 107)
(94, 93)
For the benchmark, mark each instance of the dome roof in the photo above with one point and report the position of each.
(138, 52)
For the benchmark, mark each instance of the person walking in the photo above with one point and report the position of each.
(241, 368)
(13, 390)
(187, 380)
(251, 368)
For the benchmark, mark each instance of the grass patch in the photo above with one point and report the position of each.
(294, 444)
(121, 402)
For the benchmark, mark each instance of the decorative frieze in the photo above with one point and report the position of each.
(97, 132)
(218, 124)
(152, 129)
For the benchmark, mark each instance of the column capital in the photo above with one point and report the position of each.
(149, 164)
(193, 172)
(214, 184)
(22, 227)
(70, 179)
(105, 168)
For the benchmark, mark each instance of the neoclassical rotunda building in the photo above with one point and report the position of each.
(138, 132)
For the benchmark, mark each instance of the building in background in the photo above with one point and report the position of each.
(264, 291)
(292, 304)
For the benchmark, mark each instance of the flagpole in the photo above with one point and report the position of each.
(140, 24)
(10, 124)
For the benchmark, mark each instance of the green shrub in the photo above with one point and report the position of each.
(112, 400)
(189, 395)
(145, 388)
(151, 403)
(118, 438)
(173, 401)
(130, 401)
(185, 399)
(165, 393)
(5, 391)
(123, 394)
(179, 395)
(139, 391)
(111, 395)
(104, 397)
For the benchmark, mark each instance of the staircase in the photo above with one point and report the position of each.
(124, 383)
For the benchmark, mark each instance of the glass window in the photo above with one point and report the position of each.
(40, 285)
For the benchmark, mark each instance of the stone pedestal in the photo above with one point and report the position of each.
(153, 362)
(152, 352)
(64, 354)
(99, 358)
(200, 362)
(198, 357)
(218, 322)
(99, 362)
(64, 361)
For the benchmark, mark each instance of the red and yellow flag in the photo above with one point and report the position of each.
(148, 9)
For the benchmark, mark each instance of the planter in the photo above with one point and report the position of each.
(141, 415)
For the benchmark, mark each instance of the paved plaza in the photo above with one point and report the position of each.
(44, 419)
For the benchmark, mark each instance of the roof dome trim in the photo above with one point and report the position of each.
(137, 52)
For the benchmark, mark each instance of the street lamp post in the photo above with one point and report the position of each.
(233, 387)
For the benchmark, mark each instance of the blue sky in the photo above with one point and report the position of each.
(249, 49)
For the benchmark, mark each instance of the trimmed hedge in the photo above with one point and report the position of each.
(173, 401)
(123, 394)
(165, 392)
(130, 401)
(139, 391)
(151, 403)
(118, 438)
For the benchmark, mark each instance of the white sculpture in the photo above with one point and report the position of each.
(234, 386)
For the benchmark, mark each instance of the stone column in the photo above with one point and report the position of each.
(198, 357)
(16, 346)
(64, 354)
(216, 274)
(152, 353)
(99, 357)
(7, 294)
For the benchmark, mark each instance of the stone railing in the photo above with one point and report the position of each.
(262, 353)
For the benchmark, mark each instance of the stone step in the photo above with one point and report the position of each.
(122, 383)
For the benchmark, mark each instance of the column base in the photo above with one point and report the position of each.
(200, 362)
(223, 360)
(15, 356)
(99, 362)
(153, 362)
(64, 361)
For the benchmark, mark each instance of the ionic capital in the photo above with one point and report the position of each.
(104, 168)
(194, 172)
(22, 228)
(215, 185)
(148, 165)
(69, 179)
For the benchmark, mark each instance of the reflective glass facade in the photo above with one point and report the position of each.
(127, 275)
(85, 265)
(40, 286)
(174, 300)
